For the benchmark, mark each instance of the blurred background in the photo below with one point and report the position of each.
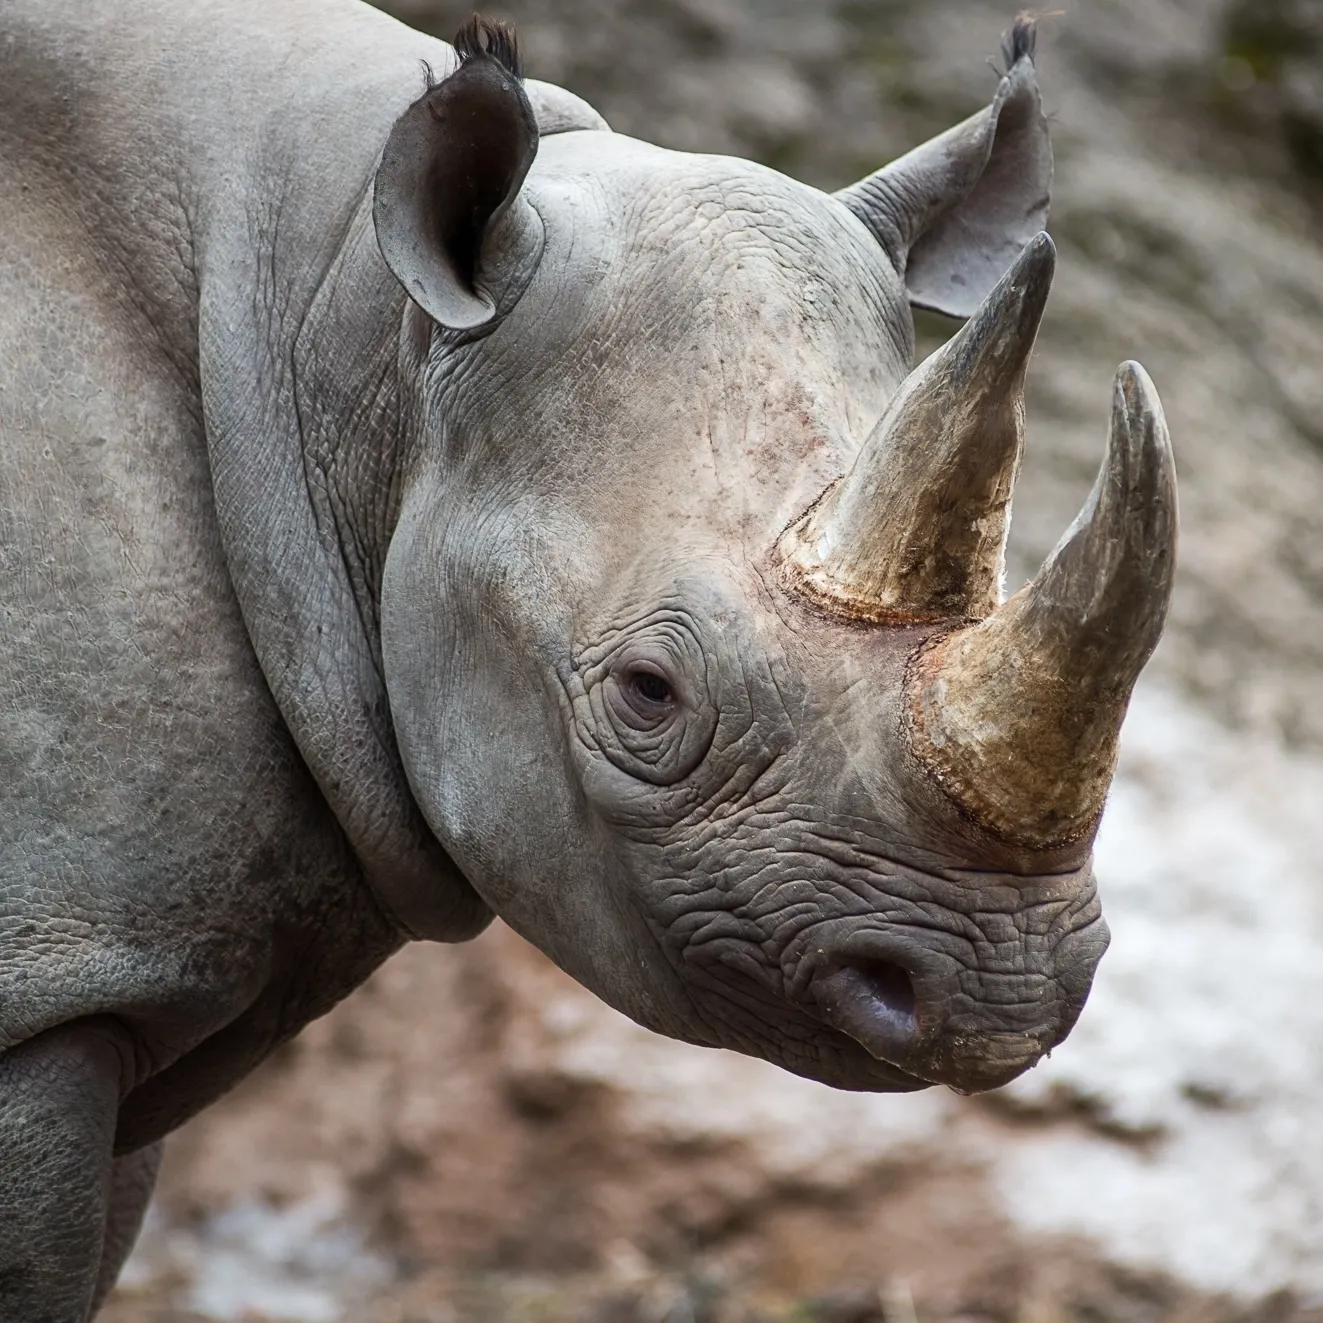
(471, 1137)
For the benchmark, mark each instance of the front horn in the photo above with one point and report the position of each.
(1017, 717)
(917, 529)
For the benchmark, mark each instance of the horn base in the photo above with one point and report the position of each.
(803, 573)
(917, 529)
(1038, 776)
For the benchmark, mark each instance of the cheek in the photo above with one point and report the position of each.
(412, 646)
(481, 737)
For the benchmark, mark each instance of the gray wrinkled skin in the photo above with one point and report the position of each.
(320, 622)
(773, 825)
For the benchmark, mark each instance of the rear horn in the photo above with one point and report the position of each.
(917, 529)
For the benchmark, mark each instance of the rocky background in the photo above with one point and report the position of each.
(471, 1137)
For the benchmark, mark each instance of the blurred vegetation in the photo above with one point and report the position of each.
(827, 92)
(1269, 84)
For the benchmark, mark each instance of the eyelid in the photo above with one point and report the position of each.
(632, 670)
(648, 665)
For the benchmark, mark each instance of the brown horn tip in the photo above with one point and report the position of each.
(1018, 717)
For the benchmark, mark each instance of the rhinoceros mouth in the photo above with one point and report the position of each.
(875, 1003)
(848, 1065)
(893, 1013)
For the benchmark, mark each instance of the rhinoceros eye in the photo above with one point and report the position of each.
(647, 705)
(651, 688)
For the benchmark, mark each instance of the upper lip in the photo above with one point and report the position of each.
(880, 990)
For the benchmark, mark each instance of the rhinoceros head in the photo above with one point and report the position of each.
(693, 621)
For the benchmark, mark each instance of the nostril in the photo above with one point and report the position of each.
(875, 1003)
(893, 989)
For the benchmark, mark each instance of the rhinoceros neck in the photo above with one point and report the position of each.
(298, 341)
(217, 155)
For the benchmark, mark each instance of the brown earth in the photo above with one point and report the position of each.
(509, 1179)
(510, 1150)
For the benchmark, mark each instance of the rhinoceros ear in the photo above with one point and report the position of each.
(954, 213)
(450, 220)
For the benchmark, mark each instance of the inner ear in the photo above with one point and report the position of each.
(450, 222)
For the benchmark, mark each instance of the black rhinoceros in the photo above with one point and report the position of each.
(415, 508)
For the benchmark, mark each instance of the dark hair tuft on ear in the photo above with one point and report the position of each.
(429, 75)
(1020, 40)
(488, 37)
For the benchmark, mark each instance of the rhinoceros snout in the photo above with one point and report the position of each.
(946, 1024)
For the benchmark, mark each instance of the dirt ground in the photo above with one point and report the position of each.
(476, 1116)
(472, 1137)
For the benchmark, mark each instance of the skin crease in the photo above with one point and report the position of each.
(633, 525)
(327, 628)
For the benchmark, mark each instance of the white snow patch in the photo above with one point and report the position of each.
(1204, 1026)
(302, 1263)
